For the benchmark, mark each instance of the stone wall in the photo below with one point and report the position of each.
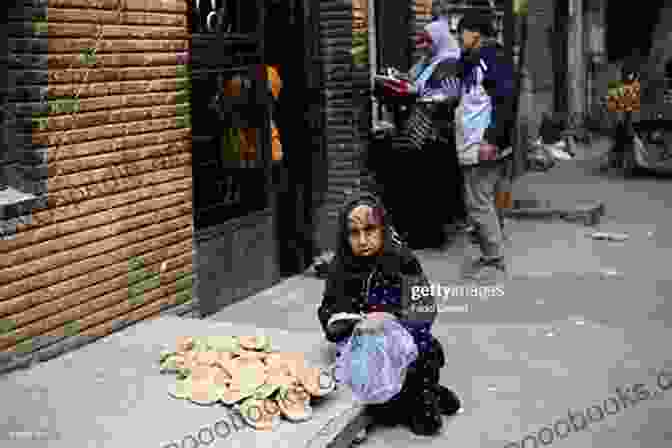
(114, 244)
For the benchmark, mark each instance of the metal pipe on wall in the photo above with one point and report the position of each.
(576, 61)
(373, 54)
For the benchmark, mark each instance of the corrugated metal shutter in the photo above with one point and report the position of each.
(338, 85)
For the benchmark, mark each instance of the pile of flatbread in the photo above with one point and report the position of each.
(244, 372)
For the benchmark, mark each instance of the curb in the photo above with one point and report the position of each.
(341, 431)
(589, 213)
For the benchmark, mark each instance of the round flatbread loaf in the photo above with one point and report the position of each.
(185, 343)
(248, 375)
(203, 373)
(261, 414)
(251, 354)
(294, 404)
(295, 361)
(204, 393)
(318, 382)
(282, 380)
(207, 358)
(247, 365)
(273, 358)
(190, 360)
(222, 378)
(254, 342)
(231, 394)
(224, 360)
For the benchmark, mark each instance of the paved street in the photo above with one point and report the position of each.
(579, 319)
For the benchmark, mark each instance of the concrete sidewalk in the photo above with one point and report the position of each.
(111, 394)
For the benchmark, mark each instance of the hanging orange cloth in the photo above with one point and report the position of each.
(275, 84)
(248, 136)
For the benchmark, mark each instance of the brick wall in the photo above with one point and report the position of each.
(118, 175)
(339, 103)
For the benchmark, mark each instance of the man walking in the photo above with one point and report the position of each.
(483, 121)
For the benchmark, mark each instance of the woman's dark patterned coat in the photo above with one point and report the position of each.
(361, 285)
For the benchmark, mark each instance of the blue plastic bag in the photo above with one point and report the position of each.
(374, 365)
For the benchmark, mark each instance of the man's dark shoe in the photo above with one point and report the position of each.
(486, 271)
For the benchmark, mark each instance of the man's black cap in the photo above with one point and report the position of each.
(477, 21)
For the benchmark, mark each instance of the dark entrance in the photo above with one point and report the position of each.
(560, 56)
(291, 46)
(233, 213)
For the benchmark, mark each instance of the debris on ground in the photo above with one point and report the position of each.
(243, 372)
(560, 150)
(609, 236)
(610, 273)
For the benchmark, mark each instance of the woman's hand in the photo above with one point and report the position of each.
(378, 315)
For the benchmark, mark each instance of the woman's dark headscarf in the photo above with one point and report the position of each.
(345, 260)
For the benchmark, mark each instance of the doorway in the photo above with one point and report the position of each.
(560, 57)
(289, 47)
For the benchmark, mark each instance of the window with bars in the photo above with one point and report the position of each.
(233, 17)
(229, 107)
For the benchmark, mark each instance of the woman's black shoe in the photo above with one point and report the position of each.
(449, 403)
(388, 413)
(425, 419)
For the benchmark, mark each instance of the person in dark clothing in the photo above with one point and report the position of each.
(624, 133)
(291, 165)
(373, 271)
(435, 169)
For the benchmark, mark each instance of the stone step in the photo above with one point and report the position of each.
(588, 212)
